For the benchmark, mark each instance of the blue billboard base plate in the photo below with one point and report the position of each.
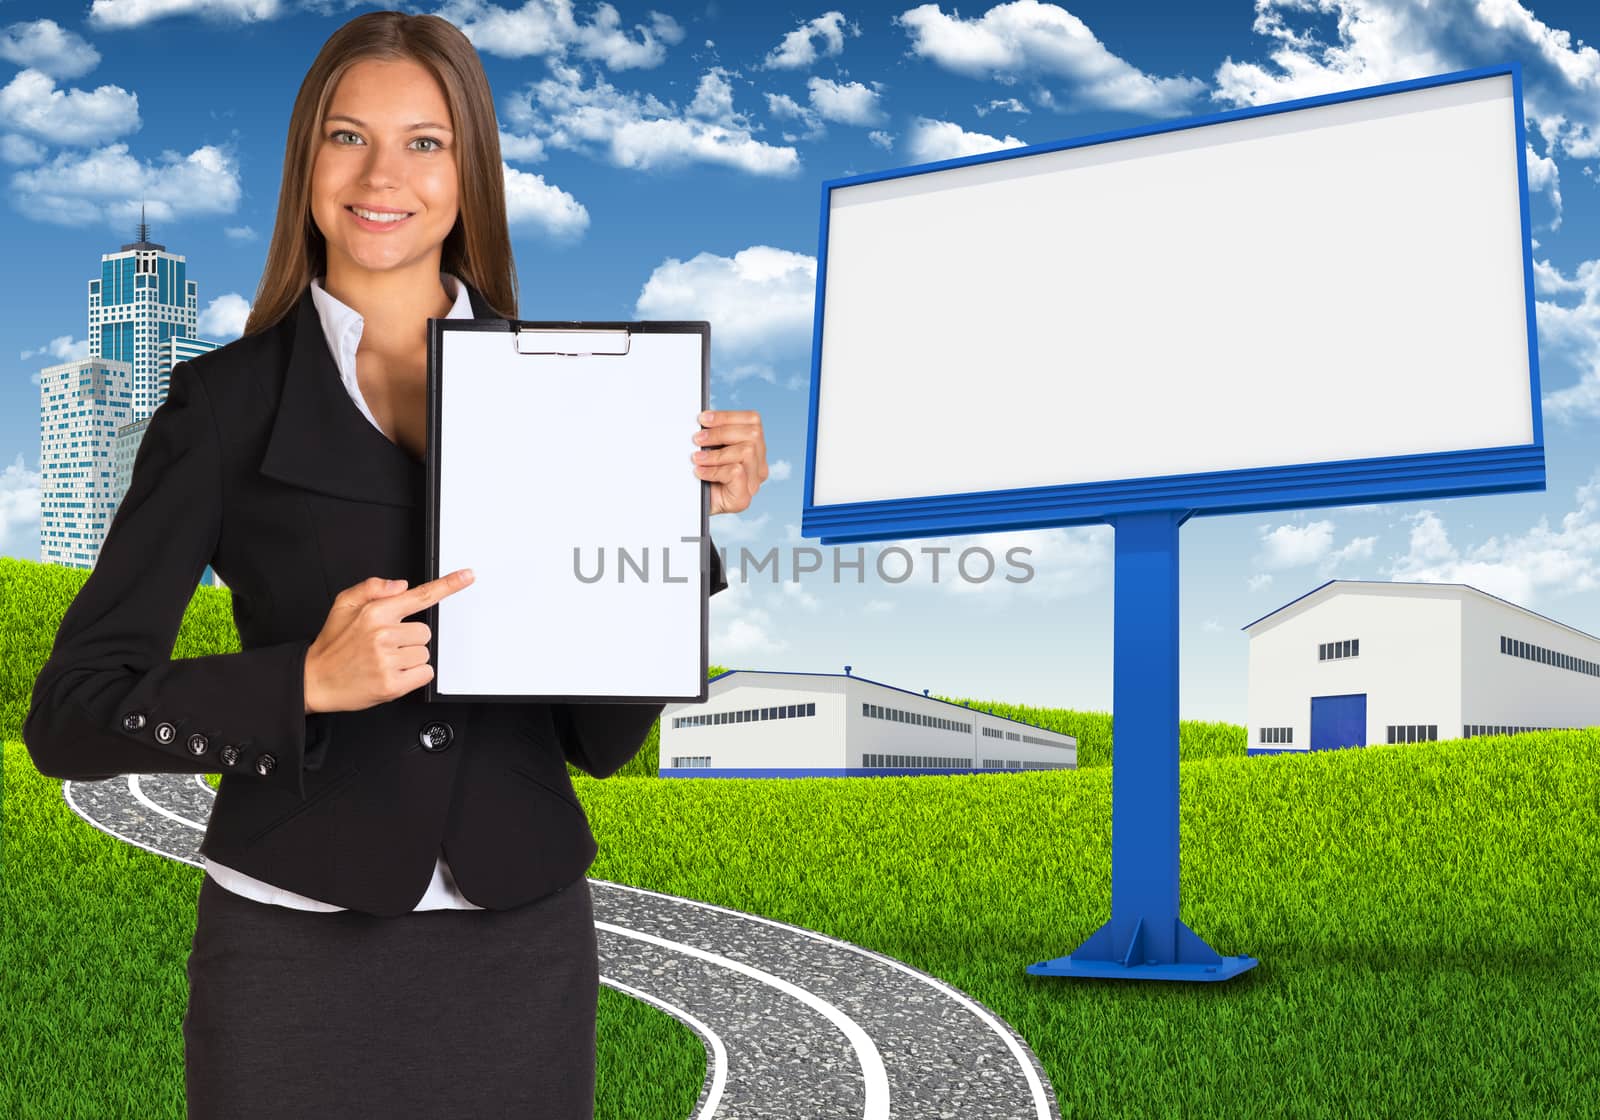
(1114, 952)
(1225, 968)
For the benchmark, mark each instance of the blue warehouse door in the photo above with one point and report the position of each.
(1338, 721)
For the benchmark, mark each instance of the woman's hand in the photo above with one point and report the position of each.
(366, 654)
(733, 458)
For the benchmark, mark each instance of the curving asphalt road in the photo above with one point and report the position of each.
(795, 1024)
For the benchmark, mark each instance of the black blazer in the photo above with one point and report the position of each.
(260, 464)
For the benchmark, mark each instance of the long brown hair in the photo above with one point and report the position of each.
(478, 246)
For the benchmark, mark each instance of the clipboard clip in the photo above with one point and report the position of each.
(573, 342)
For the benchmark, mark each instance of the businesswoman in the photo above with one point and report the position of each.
(395, 920)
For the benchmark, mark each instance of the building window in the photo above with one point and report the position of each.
(1277, 734)
(1528, 651)
(1413, 732)
(1333, 651)
(919, 719)
(746, 715)
(1475, 729)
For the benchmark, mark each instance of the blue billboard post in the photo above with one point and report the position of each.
(1144, 939)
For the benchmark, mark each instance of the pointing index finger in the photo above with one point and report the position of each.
(434, 590)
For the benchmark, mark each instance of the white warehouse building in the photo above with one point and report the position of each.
(761, 724)
(1354, 662)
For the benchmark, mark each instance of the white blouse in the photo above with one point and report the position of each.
(342, 324)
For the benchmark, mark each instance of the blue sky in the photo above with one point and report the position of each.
(666, 162)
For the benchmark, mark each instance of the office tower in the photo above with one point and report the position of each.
(141, 299)
(93, 411)
(173, 349)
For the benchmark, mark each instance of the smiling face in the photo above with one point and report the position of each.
(370, 155)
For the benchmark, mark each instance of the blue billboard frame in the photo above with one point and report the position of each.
(1144, 938)
(1487, 470)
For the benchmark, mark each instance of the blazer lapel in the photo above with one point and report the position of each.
(320, 440)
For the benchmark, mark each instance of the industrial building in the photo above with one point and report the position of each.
(1358, 662)
(761, 724)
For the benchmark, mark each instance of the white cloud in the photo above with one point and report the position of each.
(1065, 563)
(526, 148)
(713, 101)
(224, 318)
(239, 233)
(1359, 548)
(1291, 546)
(19, 510)
(108, 185)
(749, 633)
(732, 530)
(605, 40)
(1378, 42)
(30, 102)
(19, 150)
(845, 102)
(931, 140)
(883, 139)
(46, 46)
(1544, 175)
(1519, 567)
(117, 15)
(1392, 40)
(799, 47)
(60, 349)
(743, 371)
(638, 131)
(779, 470)
(782, 105)
(1302, 545)
(748, 629)
(1259, 581)
(1571, 332)
(548, 27)
(760, 301)
(532, 202)
(1027, 37)
(1009, 103)
(797, 594)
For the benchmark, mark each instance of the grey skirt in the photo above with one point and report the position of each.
(439, 1013)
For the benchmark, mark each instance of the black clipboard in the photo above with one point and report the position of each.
(558, 468)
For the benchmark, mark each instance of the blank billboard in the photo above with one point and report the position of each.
(1327, 301)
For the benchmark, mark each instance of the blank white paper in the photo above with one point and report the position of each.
(555, 465)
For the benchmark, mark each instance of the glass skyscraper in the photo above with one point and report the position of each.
(93, 411)
(142, 298)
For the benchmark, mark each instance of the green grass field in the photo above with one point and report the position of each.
(1425, 918)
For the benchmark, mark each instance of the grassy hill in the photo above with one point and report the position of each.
(1424, 916)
